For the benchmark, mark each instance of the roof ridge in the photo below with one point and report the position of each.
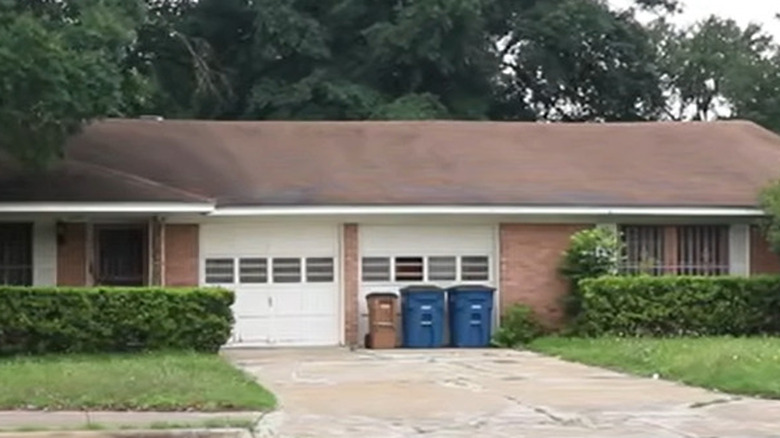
(422, 121)
(141, 180)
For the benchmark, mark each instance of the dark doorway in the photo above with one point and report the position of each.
(120, 255)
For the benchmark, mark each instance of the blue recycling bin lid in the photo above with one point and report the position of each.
(421, 288)
(471, 288)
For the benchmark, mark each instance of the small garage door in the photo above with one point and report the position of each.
(392, 257)
(285, 278)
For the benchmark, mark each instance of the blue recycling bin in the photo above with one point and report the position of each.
(422, 311)
(471, 315)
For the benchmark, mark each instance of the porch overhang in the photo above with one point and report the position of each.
(105, 207)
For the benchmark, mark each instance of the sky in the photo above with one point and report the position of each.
(742, 11)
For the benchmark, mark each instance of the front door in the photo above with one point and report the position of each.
(120, 255)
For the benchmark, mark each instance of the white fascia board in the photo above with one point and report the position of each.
(485, 210)
(105, 207)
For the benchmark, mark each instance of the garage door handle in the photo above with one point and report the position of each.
(270, 302)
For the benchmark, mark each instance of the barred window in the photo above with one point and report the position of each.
(643, 249)
(16, 254)
(695, 250)
(703, 250)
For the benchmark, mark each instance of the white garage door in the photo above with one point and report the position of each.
(392, 257)
(285, 278)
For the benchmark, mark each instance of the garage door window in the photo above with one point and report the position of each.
(287, 270)
(376, 269)
(219, 271)
(474, 268)
(409, 269)
(253, 270)
(319, 270)
(442, 268)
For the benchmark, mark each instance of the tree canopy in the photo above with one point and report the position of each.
(61, 64)
(66, 62)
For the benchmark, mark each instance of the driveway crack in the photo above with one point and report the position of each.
(576, 421)
(717, 401)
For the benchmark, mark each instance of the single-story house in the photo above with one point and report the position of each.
(303, 219)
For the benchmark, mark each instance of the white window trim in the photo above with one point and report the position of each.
(392, 278)
(269, 270)
(218, 284)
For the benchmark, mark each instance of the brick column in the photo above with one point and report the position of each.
(71, 254)
(181, 254)
(531, 255)
(350, 281)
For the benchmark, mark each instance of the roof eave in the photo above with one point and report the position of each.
(486, 210)
(106, 207)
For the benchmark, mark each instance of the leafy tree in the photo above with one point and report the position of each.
(59, 68)
(715, 69)
(578, 60)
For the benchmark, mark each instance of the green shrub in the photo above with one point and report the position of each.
(90, 320)
(770, 225)
(679, 306)
(592, 253)
(518, 326)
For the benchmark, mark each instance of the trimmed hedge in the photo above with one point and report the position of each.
(106, 319)
(679, 306)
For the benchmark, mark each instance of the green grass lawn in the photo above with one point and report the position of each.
(152, 381)
(749, 366)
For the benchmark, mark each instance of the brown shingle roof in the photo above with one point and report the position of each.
(442, 162)
(71, 181)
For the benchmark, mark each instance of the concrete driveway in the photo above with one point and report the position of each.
(490, 393)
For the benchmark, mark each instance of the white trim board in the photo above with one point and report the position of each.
(416, 210)
(105, 207)
(486, 210)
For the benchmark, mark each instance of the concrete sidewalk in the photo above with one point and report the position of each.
(62, 420)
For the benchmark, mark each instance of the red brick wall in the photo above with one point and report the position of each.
(530, 257)
(762, 259)
(350, 276)
(181, 254)
(72, 255)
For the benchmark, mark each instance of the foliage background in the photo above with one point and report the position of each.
(66, 62)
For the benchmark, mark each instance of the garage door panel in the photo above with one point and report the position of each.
(305, 301)
(311, 329)
(252, 302)
(429, 240)
(279, 240)
(440, 255)
(254, 330)
(282, 305)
